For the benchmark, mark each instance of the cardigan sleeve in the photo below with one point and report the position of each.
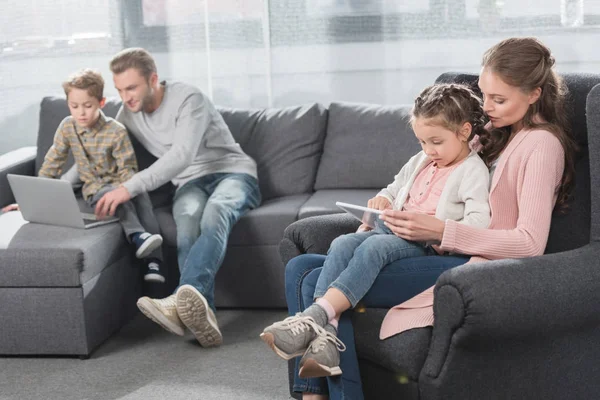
(541, 175)
(391, 191)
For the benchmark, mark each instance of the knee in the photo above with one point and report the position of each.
(299, 267)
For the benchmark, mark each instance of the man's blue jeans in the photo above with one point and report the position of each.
(396, 283)
(205, 211)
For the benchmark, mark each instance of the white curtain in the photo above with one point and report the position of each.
(261, 53)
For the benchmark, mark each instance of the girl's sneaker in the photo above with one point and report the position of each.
(322, 358)
(290, 338)
(145, 243)
(153, 272)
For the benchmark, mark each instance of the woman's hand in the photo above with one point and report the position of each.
(414, 226)
(379, 203)
(11, 207)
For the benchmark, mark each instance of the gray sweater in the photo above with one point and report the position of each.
(188, 136)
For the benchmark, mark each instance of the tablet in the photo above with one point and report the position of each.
(366, 215)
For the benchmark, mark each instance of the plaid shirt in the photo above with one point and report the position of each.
(103, 154)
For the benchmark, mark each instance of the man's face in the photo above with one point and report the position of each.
(134, 89)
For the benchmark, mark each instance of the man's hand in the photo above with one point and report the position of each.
(379, 203)
(10, 207)
(110, 201)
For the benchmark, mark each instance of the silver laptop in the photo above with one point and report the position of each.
(51, 202)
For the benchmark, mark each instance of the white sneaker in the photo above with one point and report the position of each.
(195, 313)
(163, 312)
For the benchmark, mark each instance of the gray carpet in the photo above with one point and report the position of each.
(143, 361)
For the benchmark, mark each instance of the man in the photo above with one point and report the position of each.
(216, 184)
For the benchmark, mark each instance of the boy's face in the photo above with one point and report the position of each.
(84, 108)
(135, 90)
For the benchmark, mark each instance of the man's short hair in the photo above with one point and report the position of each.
(86, 79)
(134, 57)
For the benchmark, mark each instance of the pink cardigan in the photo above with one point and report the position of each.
(522, 197)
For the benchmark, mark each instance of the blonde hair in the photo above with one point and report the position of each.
(450, 105)
(86, 79)
(134, 57)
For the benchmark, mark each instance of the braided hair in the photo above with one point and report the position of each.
(450, 105)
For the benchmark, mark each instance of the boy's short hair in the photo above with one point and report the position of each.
(86, 79)
(134, 57)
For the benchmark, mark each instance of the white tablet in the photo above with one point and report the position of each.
(366, 215)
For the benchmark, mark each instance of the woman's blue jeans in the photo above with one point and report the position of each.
(396, 283)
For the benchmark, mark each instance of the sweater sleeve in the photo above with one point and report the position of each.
(474, 192)
(391, 191)
(535, 201)
(192, 123)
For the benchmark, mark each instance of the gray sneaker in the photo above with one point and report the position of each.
(195, 313)
(322, 358)
(290, 338)
(163, 312)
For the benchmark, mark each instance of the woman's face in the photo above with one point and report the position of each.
(504, 104)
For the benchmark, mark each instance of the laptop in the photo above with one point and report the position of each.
(51, 202)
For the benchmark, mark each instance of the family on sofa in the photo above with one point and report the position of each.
(490, 173)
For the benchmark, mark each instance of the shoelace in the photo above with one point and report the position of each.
(298, 324)
(321, 341)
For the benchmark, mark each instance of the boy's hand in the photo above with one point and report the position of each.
(379, 203)
(10, 207)
(110, 201)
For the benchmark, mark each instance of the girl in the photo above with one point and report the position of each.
(446, 179)
(531, 153)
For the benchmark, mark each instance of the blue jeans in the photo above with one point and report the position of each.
(354, 261)
(205, 211)
(396, 283)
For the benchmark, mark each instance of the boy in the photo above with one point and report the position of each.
(105, 159)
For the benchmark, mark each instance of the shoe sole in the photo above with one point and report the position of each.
(312, 369)
(154, 278)
(149, 245)
(269, 339)
(192, 309)
(153, 313)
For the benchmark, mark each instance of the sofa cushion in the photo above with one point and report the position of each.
(403, 354)
(52, 111)
(366, 145)
(241, 123)
(286, 144)
(323, 201)
(262, 226)
(65, 257)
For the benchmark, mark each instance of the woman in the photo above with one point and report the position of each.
(530, 152)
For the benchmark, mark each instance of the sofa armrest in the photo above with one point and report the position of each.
(20, 162)
(547, 296)
(314, 234)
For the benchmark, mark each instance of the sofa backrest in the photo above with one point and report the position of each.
(365, 146)
(286, 144)
(572, 229)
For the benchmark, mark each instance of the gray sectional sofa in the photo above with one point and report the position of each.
(66, 290)
(506, 329)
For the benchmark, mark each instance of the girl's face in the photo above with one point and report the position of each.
(442, 145)
(504, 104)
